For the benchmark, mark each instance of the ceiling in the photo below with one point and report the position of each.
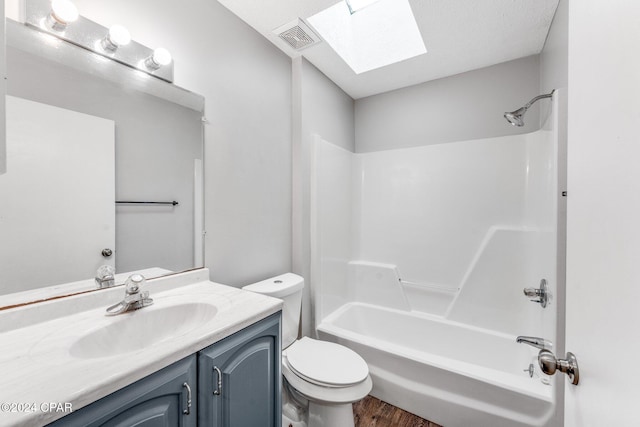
(460, 35)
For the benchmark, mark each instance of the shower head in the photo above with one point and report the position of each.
(516, 117)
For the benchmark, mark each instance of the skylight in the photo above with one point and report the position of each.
(356, 5)
(383, 33)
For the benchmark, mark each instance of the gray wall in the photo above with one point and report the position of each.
(246, 82)
(320, 108)
(554, 58)
(247, 85)
(3, 148)
(457, 108)
(326, 110)
(156, 144)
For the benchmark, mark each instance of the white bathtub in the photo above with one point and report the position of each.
(450, 373)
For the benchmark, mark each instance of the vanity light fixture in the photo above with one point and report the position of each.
(356, 5)
(116, 37)
(160, 58)
(63, 12)
(53, 17)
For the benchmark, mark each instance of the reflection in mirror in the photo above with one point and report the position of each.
(3, 139)
(83, 133)
(57, 208)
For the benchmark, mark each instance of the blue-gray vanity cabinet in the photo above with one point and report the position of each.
(239, 378)
(161, 399)
(243, 370)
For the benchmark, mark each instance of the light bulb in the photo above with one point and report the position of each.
(117, 36)
(63, 12)
(160, 57)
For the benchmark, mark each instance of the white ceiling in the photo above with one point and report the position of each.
(460, 35)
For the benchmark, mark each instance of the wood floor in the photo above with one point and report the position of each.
(372, 412)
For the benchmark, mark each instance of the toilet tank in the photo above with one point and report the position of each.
(288, 288)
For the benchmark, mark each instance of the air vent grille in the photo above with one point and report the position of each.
(297, 35)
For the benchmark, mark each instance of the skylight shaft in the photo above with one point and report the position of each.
(356, 5)
(381, 33)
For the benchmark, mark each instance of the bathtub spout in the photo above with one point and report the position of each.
(536, 342)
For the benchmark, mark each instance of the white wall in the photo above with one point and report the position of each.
(247, 85)
(554, 60)
(457, 108)
(603, 231)
(320, 108)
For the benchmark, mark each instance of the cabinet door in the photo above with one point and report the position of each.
(239, 378)
(160, 399)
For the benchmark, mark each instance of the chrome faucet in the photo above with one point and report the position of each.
(536, 342)
(105, 276)
(134, 297)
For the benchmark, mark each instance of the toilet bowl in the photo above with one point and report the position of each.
(321, 379)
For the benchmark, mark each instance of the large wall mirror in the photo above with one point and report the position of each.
(104, 167)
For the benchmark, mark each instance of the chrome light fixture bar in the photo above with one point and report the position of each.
(61, 19)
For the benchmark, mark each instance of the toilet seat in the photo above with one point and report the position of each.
(326, 395)
(325, 363)
(314, 376)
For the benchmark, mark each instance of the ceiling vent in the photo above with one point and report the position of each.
(297, 34)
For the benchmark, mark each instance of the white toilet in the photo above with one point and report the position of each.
(321, 379)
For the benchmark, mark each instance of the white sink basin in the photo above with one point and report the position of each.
(139, 329)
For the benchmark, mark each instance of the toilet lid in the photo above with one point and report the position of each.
(323, 362)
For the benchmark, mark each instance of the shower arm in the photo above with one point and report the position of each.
(537, 98)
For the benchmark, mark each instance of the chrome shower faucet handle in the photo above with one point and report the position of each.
(539, 295)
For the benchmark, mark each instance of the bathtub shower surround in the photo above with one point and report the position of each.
(419, 264)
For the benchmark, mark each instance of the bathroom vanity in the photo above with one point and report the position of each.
(238, 380)
(202, 354)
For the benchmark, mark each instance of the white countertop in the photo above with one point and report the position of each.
(37, 368)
